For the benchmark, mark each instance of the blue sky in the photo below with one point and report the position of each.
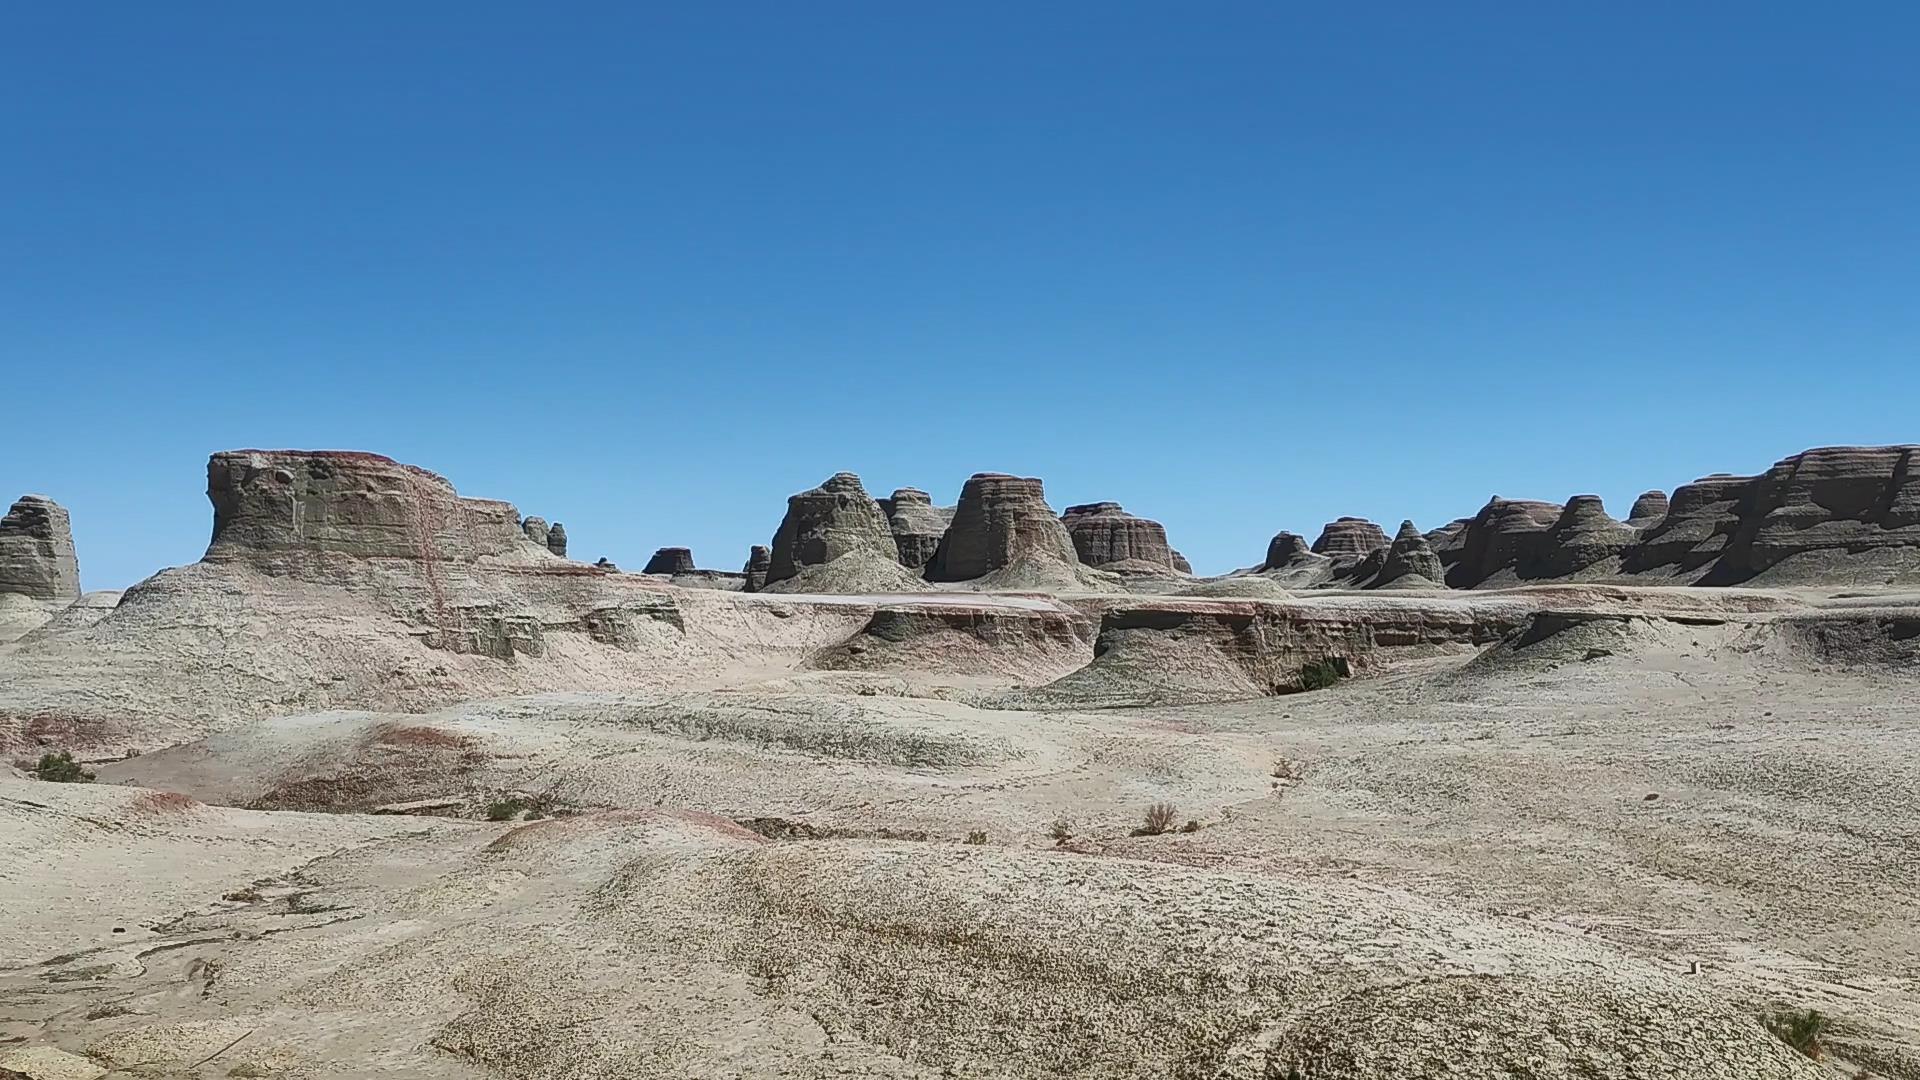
(1242, 267)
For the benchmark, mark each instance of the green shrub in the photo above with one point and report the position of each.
(1159, 819)
(1321, 674)
(1800, 1029)
(1062, 831)
(60, 768)
(1190, 826)
(977, 836)
(505, 809)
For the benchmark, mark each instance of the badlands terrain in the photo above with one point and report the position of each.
(388, 784)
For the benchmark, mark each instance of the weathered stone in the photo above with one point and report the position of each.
(1001, 520)
(1104, 534)
(917, 525)
(1285, 550)
(274, 505)
(670, 560)
(1505, 535)
(1180, 563)
(827, 522)
(1583, 538)
(557, 539)
(758, 559)
(36, 551)
(536, 530)
(1349, 536)
(1409, 556)
(1648, 509)
(604, 563)
(1835, 514)
(1699, 524)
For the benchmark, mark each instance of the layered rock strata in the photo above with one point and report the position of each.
(557, 539)
(1584, 538)
(1505, 535)
(1409, 562)
(759, 558)
(917, 525)
(828, 522)
(670, 560)
(1104, 535)
(1001, 521)
(36, 551)
(1648, 509)
(1349, 536)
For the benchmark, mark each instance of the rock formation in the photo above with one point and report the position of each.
(536, 530)
(1349, 536)
(1505, 535)
(759, 558)
(281, 506)
(36, 551)
(1648, 509)
(557, 539)
(1106, 536)
(1286, 550)
(670, 560)
(1700, 523)
(1180, 563)
(825, 523)
(604, 563)
(1841, 513)
(1409, 562)
(1001, 520)
(917, 525)
(1584, 538)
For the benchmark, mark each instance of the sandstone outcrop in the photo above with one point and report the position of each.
(1286, 550)
(1648, 509)
(670, 560)
(1030, 643)
(36, 551)
(557, 539)
(759, 558)
(1410, 561)
(1105, 535)
(1001, 521)
(1842, 513)
(823, 524)
(536, 530)
(1349, 536)
(1700, 523)
(1583, 540)
(604, 563)
(917, 525)
(1505, 535)
(1180, 563)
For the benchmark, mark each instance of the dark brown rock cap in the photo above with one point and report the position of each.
(1349, 536)
(1000, 520)
(670, 560)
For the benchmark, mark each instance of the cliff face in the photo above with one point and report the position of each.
(822, 524)
(1001, 520)
(1104, 534)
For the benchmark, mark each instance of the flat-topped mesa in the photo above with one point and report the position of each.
(273, 505)
(1349, 536)
(1001, 520)
(1699, 524)
(557, 539)
(36, 551)
(1410, 561)
(1505, 535)
(536, 530)
(1584, 539)
(1105, 535)
(1839, 513)
(670, 560)
(824, 523)
(917, 525)
(1648, 509)
(758, 559)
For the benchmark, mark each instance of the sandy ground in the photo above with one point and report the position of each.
(1608, 852)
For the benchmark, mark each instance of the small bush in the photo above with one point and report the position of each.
(505, 809)
(1061, 832)
(1800, 1029)
(1190, 826)
(1159, 819)
(977, 836)
(1321, 674)
(60, 768)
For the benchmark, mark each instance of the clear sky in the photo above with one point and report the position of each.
(648, 269)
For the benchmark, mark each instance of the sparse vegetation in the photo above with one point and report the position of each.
(60, 768)
(1159, 819)
(1322, 673)
(977, 836)
(1800, 1029)
(1190, 826)
(1062, 831)
(529, 807)
(1285, 770)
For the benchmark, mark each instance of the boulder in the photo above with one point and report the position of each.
(1104, 534)
(557, 539)
(1648, 509)
(1504, 536)
(826, 522)
(36, 551)
(1001, 520)
(1583, 539)
(917, 525)
(1409, 557)
(1349, 536)
(758, 559)
(284, 506)
(670, 560)
(536, 530)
